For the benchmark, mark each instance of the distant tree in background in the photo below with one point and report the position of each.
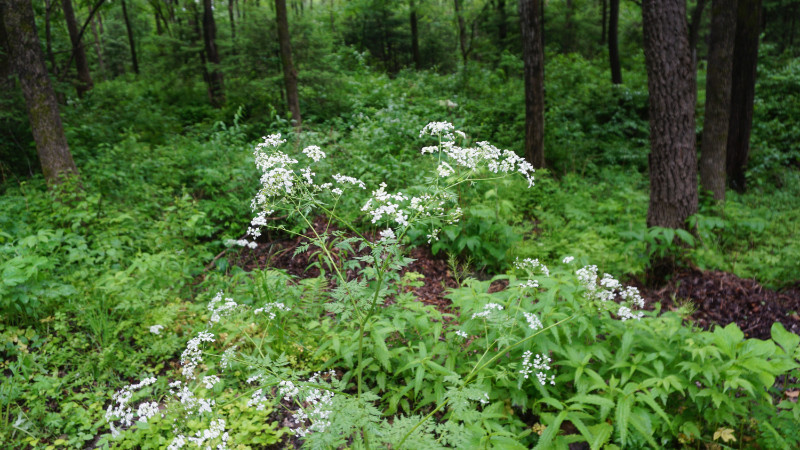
(216, 89)
(533, 61)
(79, 53)
(718, 98)
(673, 159)
(289, 72)
(131, 42)
(613, 43)
(18, 36)
(743, 86)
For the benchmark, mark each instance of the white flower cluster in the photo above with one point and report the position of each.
(270, 308)
(156, 329)
(215, 430)
(258, 399)
(120, 411)
(318, 409)
(541, 363)
(241, 243)
(220, 307)
(609, 289)
(461, 334)
(386, 204)
(530, 265)
(210, 380)
(387, 235)
(483, 154)
(227, 356)
(568, 259)
(192, 356)
(487, 310)
(190, 403)
(533, 321)
(314, 152)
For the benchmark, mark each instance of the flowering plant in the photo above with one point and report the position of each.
(396, 355)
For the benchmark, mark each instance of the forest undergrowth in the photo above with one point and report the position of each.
(114, 282)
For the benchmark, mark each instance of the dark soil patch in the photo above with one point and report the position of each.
(721, 298)
(718, 298)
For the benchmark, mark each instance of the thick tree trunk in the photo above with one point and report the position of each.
(718, 98)
(81, 63)
(745, 57)
(462, 31)
(533, 60)
(216, 89)
(673, 159)
(131, 42)
(19, 36)
(289, 72)
(613, 45)
(414, 35)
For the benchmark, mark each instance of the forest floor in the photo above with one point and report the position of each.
(714, 297)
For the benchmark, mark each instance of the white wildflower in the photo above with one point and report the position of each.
(313, 152)
(156, 329)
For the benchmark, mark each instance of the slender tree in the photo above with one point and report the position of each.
(603, 22)
(462, 30)
(131, 42)
(289, 72)
(613, 44)
(502, 22)
(81, 63)
(414, 35)
(533, 61)
(694, 29)
(18, 36)
(718, 98)
(216, 89)
(743, 84)
(673, 160)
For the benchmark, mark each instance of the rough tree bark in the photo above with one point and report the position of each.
(718, 98)
(673, 160)
(19, 36)
(216, 89)
(289, 72)
(131, 42)
(414, 35)
(533, 60)
(743, 84)
(613, 43)
(81, 63)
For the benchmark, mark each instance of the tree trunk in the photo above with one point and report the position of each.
(745, 58)
(414, 36)
(673, 159)
(718, 98)
(613, 46)
(289, 72)
(462, 31)
(81, 63)
(48, 36)
(131, 42)
(19, 36)
(98, 49)
(502, 22)
(694, 32)
(216, 90)
(233, 22)
(533, 60)
(603, 23)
